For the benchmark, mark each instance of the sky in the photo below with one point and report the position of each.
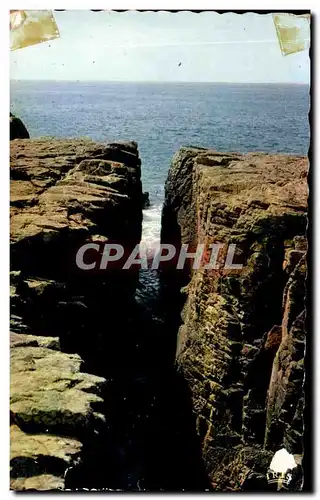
(161, 46)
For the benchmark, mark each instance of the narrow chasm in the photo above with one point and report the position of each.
(154, 380)
(150, 441)
(94, 351)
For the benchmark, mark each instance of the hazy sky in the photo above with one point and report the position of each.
(149, 46)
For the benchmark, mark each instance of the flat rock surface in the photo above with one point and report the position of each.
(50, 400)
(63, 192)
(69, 190)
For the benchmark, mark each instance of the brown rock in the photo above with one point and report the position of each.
(64, 193)
(224, 351)
(50, 399)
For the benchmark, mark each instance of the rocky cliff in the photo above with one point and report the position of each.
(241, 344)
(96, 401)
(65, 193)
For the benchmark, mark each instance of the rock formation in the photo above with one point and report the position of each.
(65, 193)
(146, 200)
(17, 128)
(54, 408)
(241, 344)
(97, 398)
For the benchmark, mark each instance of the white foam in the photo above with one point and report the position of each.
(150, 244)
(151, 227)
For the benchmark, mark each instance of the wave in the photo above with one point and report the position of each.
(151, 227)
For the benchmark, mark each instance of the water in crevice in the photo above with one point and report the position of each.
(149, 442)
(148, 290)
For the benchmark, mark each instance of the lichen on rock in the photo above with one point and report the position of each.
(63, 194)
(241, 343)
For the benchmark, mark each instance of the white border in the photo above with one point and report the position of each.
(284, 5)
(4, 234)
(165, 4)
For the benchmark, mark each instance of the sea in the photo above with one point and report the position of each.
(152, 446)
(162, 117)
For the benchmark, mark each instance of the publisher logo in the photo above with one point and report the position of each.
(283, 470)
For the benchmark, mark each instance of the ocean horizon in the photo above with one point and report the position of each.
(162, 117)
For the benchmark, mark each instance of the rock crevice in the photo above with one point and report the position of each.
(105, 396)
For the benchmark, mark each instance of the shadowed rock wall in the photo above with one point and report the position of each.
(241, 343)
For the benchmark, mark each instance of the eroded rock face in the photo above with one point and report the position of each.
(242, 339)
(65, 193)
(17, 128)
(53, 409)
